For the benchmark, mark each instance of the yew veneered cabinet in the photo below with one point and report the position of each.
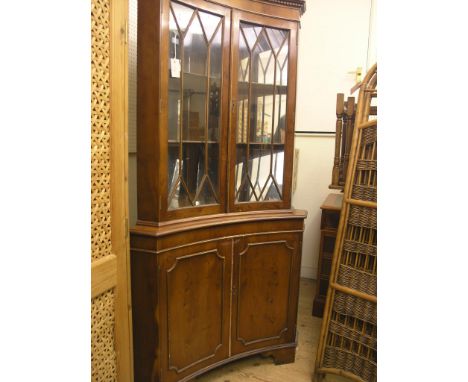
(216, 251)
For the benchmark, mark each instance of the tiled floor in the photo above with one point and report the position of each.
(256, 368)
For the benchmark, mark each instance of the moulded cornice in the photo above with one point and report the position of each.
(299, 4)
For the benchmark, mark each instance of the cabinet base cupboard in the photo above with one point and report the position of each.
(216, 251)
(214, 290)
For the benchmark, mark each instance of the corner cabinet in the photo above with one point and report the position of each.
(216, 252)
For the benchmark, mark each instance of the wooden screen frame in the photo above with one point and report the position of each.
(113, 270)
(119, 186)
(293, 27)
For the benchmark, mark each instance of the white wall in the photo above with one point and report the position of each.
(313, 177)
(372, 50)
(333, 40)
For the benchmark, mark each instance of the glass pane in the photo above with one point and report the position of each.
(193, 167)
(281, 94)
(173, 166)
(272, 192)
(276, 37)
(195, 49)
(261, 57)
(243, 91)
(243, 113)
(179, 196)
(213, 166)
(277, 168)
(210, 23)
(260, 163)
(205, 193)
(194, 109)
(174, 100)
(253, 179)
(174, 83)
(279, 131)
(263, 61)
(244, 59)
(182, 14)
(261, 113)
(282, 61)
(216, 54)
(242, 188)
(251, 33)
(266, 68)
(214, 107)
(261, 105)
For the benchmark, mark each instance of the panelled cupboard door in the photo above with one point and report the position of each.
(195, 77)
(265, 291)
(195, 284)
(263, 97)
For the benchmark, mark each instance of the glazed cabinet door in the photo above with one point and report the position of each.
(265, 291)
(194, 295)
(263, 96)
(195, 77)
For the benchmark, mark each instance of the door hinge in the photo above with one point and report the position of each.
(126, 227)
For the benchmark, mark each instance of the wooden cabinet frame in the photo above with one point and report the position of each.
(152, 113)
(184, 258)
(165, 263)
(153, 85)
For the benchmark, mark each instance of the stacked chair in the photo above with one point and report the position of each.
(348, 338)
(345, 121)
(345, 115)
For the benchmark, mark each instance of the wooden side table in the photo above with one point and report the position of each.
(331, 209)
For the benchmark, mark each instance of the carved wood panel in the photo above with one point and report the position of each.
(197, 286)
(263, 305)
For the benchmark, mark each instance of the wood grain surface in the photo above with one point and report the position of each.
(261, 369)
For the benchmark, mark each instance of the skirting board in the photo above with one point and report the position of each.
(308, 272)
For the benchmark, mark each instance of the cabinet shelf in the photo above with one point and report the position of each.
(254, 83)
(195, 76)
(259, 87)
(259, 144)
(176, 142)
